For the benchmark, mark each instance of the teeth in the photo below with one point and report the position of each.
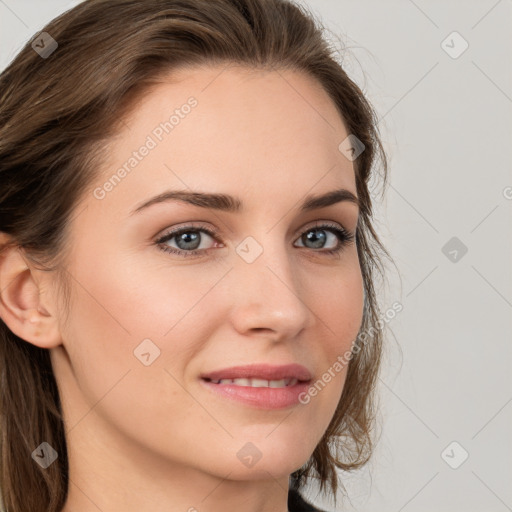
(258, 383)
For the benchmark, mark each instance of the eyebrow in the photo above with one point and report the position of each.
(227, 203)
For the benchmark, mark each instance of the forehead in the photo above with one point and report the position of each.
(232, 128)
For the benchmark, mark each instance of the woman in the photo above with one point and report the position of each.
(188, 260)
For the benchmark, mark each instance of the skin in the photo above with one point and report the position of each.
(151, 437)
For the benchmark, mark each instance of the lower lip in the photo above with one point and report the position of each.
(260, 398)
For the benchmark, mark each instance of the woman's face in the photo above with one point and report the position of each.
(146, 324)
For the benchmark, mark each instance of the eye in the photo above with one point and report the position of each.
(316, 236)
(189, 239)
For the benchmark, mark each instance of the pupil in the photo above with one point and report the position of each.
(185, 237)
(317, 240)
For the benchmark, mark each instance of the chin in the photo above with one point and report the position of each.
(260, 459)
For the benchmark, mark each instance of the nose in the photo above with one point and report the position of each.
(267, 296)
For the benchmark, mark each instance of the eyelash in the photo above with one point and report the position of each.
(344, 237)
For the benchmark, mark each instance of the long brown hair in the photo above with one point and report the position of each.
(57, 112)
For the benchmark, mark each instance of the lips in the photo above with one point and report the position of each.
(259, 386)
(260, 372)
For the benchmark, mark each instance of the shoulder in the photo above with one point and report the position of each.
(296, 503)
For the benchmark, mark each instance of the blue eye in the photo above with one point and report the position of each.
(188, 239)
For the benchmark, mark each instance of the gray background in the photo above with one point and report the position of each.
(446, 123)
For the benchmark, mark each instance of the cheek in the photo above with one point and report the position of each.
(339, 306)
(120, 303)
(115, 307)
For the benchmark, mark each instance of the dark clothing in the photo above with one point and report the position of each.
(296, 503)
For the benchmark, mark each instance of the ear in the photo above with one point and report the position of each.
(24, 307)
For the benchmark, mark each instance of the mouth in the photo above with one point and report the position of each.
(258, 375)
(258, 393)
(256, 383)
(259, 386)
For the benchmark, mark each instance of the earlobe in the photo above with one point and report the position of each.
(21, 308)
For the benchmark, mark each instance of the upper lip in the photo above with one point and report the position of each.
(261, 371)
